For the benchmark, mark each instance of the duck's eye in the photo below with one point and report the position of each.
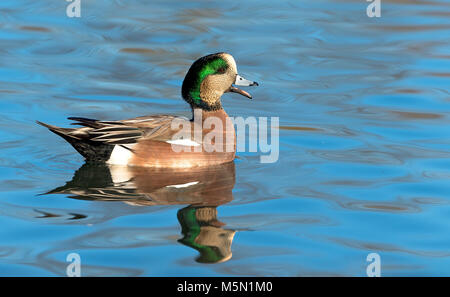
(221, 70)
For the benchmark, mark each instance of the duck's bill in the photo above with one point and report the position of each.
(240, 81)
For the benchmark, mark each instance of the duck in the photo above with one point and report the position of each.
(207, 139)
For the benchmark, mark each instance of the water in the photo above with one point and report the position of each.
(364, 142)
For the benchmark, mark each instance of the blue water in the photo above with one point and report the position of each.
(364, 161)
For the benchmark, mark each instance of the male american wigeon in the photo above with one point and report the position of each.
(149, 140)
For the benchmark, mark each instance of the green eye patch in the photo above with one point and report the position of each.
(212, 67)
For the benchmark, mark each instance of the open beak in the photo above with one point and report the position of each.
(240, 81)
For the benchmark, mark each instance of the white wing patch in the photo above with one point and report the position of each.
(120, 156)
(185, 142)
(183, 185)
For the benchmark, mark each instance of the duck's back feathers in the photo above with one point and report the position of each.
(79, 139)
(95, 141)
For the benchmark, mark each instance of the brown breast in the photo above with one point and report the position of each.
(213, 131)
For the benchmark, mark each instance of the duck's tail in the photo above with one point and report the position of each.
(92, 151)
(63, 132)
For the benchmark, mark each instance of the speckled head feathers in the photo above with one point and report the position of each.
(208, 79)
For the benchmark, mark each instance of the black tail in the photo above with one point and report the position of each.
(92, 151)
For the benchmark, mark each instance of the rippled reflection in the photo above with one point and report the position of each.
(203, 189)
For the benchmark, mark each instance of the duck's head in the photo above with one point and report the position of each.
(209, 78)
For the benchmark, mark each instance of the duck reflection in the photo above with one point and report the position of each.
(202, 189)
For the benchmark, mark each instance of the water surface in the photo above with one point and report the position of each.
(364, 142)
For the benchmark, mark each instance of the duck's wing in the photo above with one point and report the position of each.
(155, 127)
(96, 139)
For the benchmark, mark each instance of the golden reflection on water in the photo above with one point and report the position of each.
(298, 128)
(417, 115)
(35, 28)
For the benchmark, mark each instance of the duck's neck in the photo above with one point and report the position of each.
(218, 128)
(212, 105)
(201, 114)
